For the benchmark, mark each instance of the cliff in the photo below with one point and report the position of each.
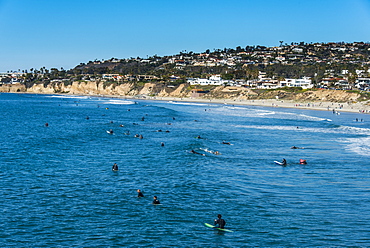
(181, 91)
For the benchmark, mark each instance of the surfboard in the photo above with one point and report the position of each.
(279, 163)
(220, 229)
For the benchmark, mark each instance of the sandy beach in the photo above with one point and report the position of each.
(357, 107)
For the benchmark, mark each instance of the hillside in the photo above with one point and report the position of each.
(184, 91)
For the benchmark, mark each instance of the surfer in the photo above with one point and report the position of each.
(139, 193)
(226, 143)
(162, 144)
(198, 137)
(283, 162)
(110, 131)
(302, 161)
(46, 124)
(192, 151)
(155, 200)
(220, 222)
(115, 167)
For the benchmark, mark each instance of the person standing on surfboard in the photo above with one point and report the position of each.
(220, 222)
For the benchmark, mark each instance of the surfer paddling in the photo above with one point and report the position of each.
(192, 151)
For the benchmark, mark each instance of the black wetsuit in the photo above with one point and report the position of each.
(283, 162)
(156, 201)
(140, 194)
(115, 167)
(220, 222)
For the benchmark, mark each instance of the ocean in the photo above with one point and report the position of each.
(58, 188)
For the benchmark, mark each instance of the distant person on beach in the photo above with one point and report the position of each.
(115, 167)
(155, 200)
(139, 193)
(219, 222)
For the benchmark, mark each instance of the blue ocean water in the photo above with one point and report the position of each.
(58, 189)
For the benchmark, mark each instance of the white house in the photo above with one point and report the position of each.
(212, 80)
(305, 83)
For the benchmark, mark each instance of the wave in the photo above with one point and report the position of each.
(193, 104)
(334, 130)
(120, 102)
(360, 146)
(68, 97)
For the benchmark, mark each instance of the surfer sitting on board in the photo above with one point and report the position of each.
(155, 201)
(139, 193)
(115, 167)
(220, 222)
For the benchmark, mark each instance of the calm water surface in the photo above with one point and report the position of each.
(58, 189)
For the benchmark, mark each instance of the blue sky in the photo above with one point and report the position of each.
(56, 33)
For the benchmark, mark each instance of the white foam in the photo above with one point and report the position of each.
(191, 103)
(338, 130)
(121, 102)
(68, 97)
(360, 146)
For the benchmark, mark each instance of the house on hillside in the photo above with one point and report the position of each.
(305, 83)
(212, 80)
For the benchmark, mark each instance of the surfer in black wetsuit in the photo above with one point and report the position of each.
(192, 151)
(155, 201)
(115, 167)
(283, 162)
(139, 193)
(220, 222)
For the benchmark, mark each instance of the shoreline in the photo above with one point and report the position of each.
(275, 103)
(336, 107)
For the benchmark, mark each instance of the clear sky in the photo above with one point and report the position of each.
(64, 33)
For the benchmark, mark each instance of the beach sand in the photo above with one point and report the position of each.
(357, 107)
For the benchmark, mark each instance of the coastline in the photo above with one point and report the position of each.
(357, 107)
